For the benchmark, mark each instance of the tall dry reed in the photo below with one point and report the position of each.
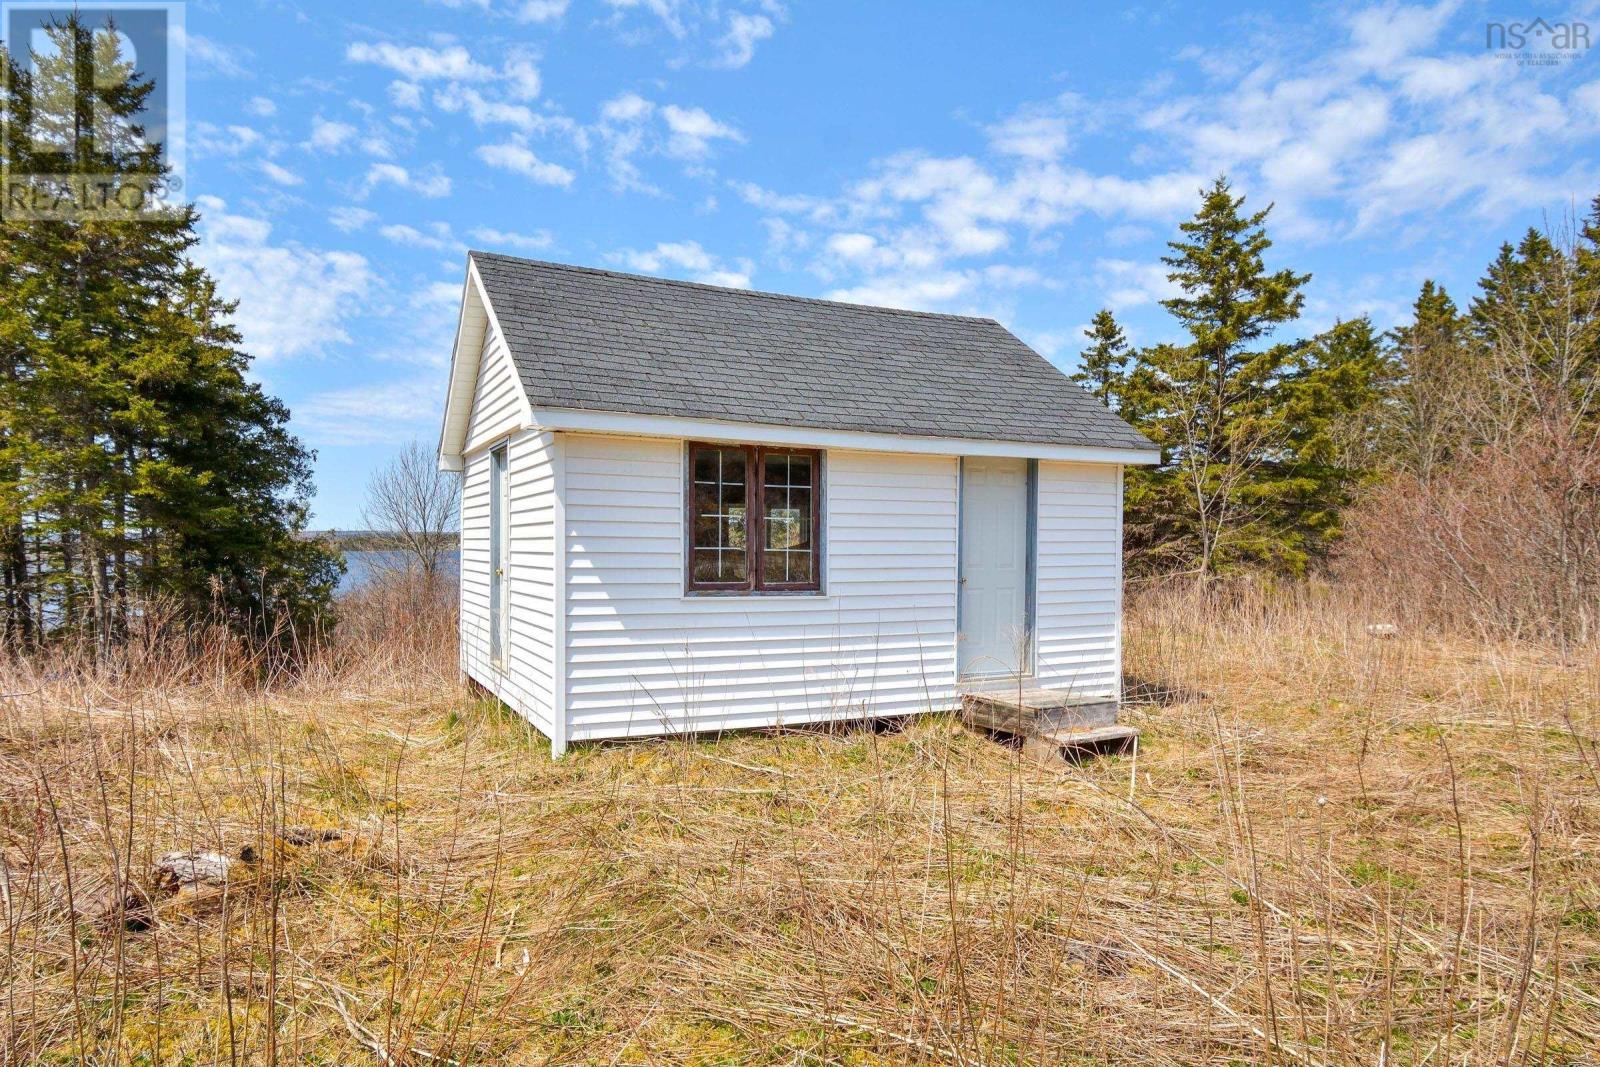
(1330, 848)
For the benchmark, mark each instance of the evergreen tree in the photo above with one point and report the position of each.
(1217, 405)
(1588, 251)
(1436, 372)
(1104, 363)
(1535, 326)
(1337, 433)
(136, 457)
(1587, 270)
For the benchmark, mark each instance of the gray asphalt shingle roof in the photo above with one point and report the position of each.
(603, 341)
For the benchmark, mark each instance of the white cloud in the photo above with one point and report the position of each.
(406, 95)
(1129, 284)
(438, 238)
(440, 295)
(370, 414)
(1587, 99)
(482, 111)
(417, 63)
(710, 34)
(210, 55)
(522, 77)
(328, 135)
(537, 241)
(281, 175)
(1399, 118)
(518, 158)
(927, 292)
(1049, 343)
(209, 140)
(745, 31)
(629, 107)
(1383, 34)
(784, 237)
(685, 133)
(817, 208)
(293, 300)
(1039, 131)
(668, 11)
(350, 219)
(622, 145)
(686, 258)
(852, 246)
(431, 184)
(261, 107)
(541, 10)
(693, 130)
(728, 279)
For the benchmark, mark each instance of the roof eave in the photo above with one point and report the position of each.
(575, 420)
(473, 323)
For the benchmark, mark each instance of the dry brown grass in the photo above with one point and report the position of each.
(1329, 849)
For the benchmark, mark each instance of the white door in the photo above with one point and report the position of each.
(994, 567)
(499, 592)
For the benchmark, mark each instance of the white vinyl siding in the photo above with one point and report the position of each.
(525, 680)
(644, 658)
(1079, 579)
(641, 657)
(499, 404)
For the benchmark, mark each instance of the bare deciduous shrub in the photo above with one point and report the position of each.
(413, 505)
(1505, 542)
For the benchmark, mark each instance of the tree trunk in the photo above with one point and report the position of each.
(19, 609)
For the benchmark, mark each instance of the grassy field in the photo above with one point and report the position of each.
(1329, 848)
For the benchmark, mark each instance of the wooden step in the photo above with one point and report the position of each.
(1022, 711)
(1052, 724)
(1076, 744)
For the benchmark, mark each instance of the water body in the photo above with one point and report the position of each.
(363, 564)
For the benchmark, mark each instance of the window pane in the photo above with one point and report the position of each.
(800, 470)
(787, 551)
(718, 514)
(786, 566)
(799, 565)
(777, 468)
(787, 526)
(707, 565)
(733, 477)
(705, 465)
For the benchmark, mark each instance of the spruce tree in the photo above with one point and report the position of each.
(1335, 415)
(1103, 364)
(1535, 327)
(1588, 251)
(137, 459)
(1217, 404)
(1587, 270)
(1436, 372)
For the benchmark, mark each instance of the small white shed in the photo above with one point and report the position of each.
(687, 508)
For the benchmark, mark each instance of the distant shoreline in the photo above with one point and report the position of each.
(365, 540)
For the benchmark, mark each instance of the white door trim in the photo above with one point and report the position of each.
(1028, 606)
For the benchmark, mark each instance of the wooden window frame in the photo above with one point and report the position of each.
(755, 523)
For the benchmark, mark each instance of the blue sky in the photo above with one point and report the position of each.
(1024, 161)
